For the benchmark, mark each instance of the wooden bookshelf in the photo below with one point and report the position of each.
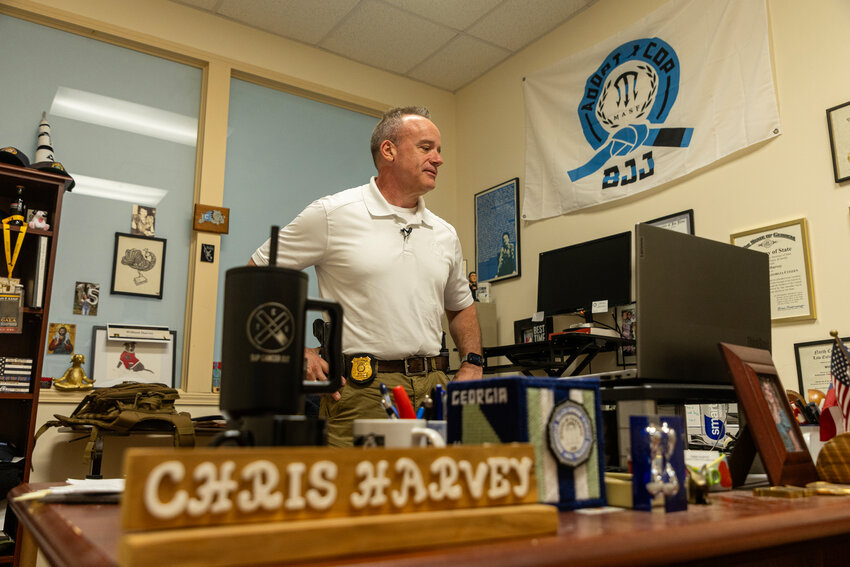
(44, 192)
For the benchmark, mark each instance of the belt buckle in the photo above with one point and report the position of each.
(409, 372)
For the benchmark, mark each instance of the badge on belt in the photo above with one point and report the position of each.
(362, 369)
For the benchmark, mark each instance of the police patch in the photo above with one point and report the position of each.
(570, 434)
(362, 369)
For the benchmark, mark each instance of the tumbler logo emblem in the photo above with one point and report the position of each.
(269, 327)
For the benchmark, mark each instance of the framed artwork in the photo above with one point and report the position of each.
(138, 265)
(115, 360)
(680, 222)
(497, 246)
(770, 427)
(61, 338)
(838, 122)
(627, 322)
(813, 368)
(528, 331)
(787, 244)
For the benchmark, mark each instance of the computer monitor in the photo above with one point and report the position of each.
(571, 278)
(693, 293)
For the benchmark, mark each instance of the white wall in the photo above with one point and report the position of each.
(783, 179)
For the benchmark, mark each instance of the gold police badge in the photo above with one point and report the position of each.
(362, 370)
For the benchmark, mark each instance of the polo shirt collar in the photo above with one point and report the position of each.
(378, 206)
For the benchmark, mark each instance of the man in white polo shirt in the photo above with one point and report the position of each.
(395, 268)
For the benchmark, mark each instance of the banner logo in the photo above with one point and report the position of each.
(625, 105)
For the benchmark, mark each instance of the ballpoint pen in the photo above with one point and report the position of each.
(386, 401)
(438, 402)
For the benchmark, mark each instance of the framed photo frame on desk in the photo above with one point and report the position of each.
(528, 331)
(770, 427)
(626, 316)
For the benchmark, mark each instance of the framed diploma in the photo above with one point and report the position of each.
(497, 232)
(813, 368)
(791, 292)
(838, 122)
(679, 222)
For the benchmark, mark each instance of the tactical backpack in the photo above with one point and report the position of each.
(127, 406)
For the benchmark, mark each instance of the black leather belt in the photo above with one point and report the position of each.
(412, 366)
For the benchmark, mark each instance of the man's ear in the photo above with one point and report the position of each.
(387, 150)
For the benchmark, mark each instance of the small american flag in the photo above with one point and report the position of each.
(840, 378)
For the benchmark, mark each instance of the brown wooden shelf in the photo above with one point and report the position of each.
(15, 396)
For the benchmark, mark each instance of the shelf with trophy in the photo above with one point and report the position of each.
(30, 209)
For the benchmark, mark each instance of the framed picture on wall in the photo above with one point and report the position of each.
(680, 222)
(813, 368)
(497, 247)
(838, 122)
(787, 245)
(116, 360)
(138, 265)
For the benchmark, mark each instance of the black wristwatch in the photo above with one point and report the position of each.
(473, 358)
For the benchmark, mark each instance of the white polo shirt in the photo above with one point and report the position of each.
(393, 287)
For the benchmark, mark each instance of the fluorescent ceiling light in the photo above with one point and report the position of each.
(123, 115)
(118, 190)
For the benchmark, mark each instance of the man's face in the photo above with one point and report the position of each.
(418, 155)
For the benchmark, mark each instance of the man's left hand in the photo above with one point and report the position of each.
(468, 371)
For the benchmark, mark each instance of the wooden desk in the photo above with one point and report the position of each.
(737, 529)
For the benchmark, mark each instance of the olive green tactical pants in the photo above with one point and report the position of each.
(364, 402)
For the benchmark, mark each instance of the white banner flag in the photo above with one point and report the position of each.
(681, 88)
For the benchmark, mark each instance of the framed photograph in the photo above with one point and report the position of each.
(770, 427)
(497, 232)
(679, 222)
(791, 292)
(813, 368)
(627, 322)
(143, 221)
(116, 360)
(838, 121)
(138, 265)
(528, 331)
(86, 297)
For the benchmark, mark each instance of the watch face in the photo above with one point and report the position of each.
(474, 358)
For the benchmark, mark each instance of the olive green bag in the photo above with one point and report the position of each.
(128, 406)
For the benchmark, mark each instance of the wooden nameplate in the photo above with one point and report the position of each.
(239, 506)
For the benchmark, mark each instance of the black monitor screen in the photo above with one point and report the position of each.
(693, 293)
(570, 279)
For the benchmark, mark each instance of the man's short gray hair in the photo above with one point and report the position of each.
(390, 124)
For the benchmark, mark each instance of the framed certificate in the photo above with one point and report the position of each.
(838, 122)
(497, 232)
(813, 368)
(679, 222)
(791, 292)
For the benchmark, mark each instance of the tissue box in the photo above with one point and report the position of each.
(561, 418)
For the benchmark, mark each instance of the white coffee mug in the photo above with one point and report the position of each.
(395, 433)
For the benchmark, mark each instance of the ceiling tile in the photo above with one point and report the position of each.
(386, 37)
(455, 14)
(516, 23)
(302, 21)
(458, 63)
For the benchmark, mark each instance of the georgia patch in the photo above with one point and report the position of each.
(570, 433)
(362, 370)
